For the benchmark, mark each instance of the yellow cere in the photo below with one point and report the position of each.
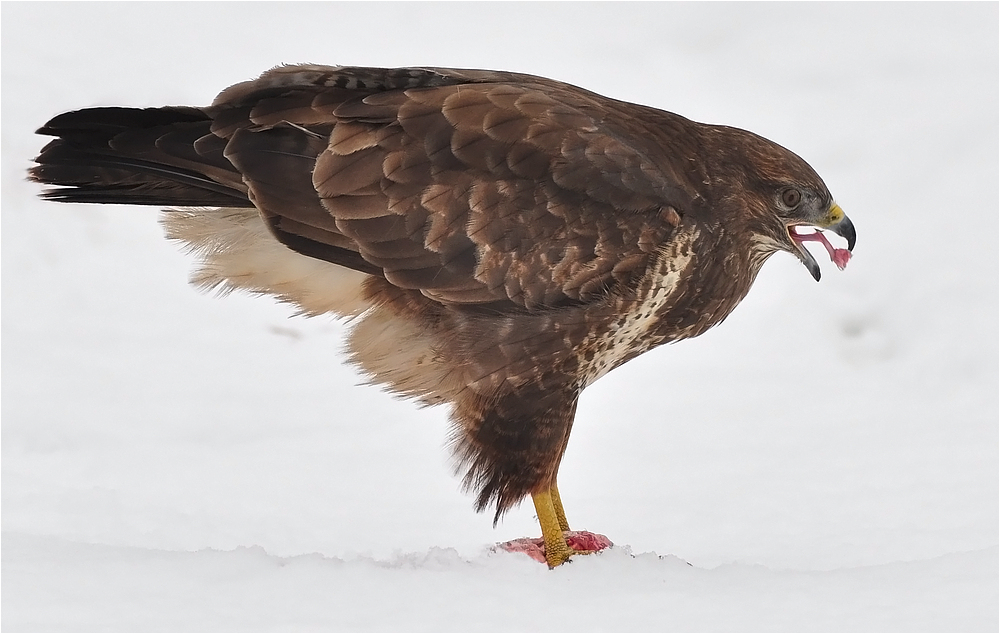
(836, 215)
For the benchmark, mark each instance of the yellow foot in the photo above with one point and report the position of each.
(574, 543)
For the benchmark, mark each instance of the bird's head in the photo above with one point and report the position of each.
(804, 214)
(785, 202)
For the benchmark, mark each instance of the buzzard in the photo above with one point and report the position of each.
(499, 240)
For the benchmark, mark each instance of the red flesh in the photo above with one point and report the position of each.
(534, 547)
(840, 257)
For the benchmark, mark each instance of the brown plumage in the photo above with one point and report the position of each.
(501, 240)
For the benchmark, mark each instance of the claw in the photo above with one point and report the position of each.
(579, 542)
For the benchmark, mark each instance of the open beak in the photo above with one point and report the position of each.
(837, 222)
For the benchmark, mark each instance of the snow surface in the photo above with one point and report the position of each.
(827, 459)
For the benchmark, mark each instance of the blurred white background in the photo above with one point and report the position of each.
(823, 427)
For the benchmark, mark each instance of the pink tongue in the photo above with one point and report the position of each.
(840, 257)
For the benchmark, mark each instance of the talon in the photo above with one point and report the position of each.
(577, 543)
(557, 544)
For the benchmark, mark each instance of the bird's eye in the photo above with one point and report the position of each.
(791, 197)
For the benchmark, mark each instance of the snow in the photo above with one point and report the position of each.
(439, 590)
(826, 459)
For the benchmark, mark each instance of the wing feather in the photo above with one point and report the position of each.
(473, 187)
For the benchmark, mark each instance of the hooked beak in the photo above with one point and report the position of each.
(836, 221)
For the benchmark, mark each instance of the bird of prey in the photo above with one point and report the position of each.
(499, 240)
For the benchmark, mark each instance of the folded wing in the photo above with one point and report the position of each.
(480, 188)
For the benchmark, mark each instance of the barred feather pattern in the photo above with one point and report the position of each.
(499, 240)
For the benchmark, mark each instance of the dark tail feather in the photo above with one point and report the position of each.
(154, 156)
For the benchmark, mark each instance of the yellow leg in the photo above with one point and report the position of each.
(556, 549)
(557, 504)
